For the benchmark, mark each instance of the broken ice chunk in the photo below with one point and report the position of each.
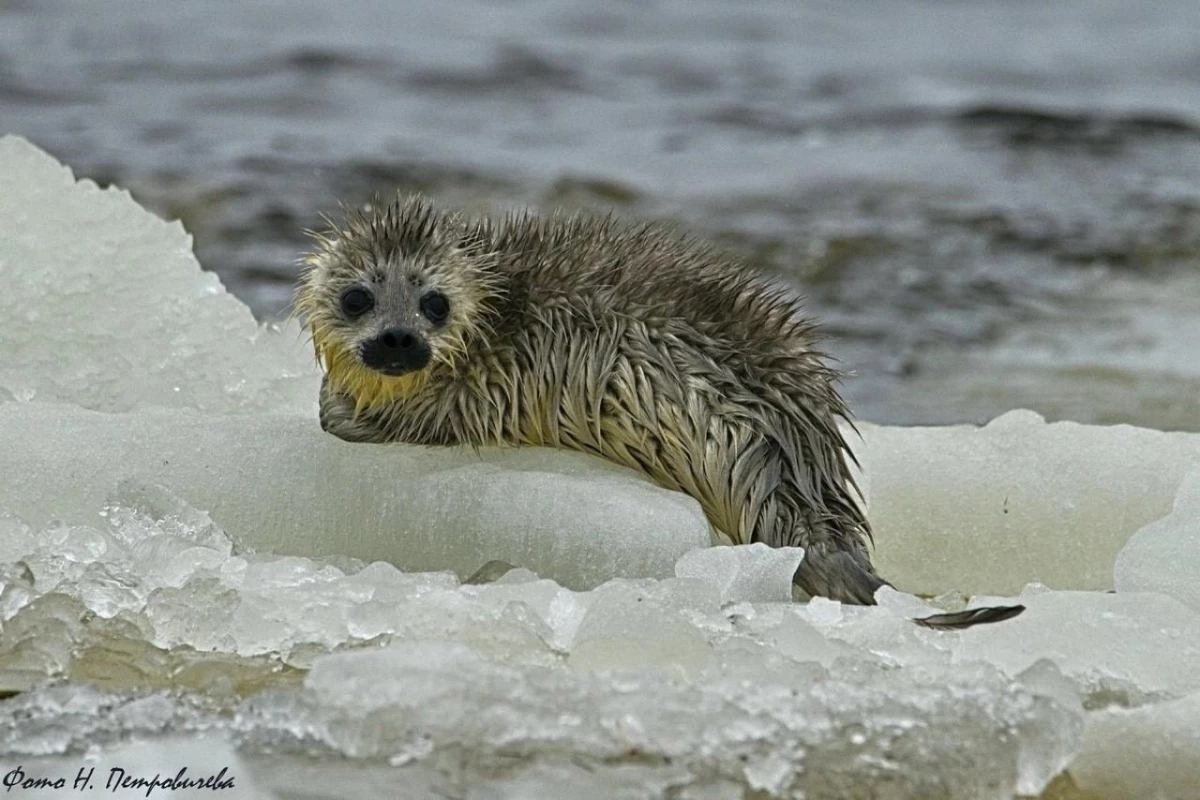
(754, 573)
(16, 538)
(624, 628)
(1164, 556)
(1132, 754)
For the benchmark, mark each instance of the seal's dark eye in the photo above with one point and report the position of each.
(357, 301)
(435, 306)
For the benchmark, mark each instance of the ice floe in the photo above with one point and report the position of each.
(193, 574)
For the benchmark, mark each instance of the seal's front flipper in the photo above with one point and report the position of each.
(961, 620)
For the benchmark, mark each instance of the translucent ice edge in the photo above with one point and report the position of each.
(139, 392)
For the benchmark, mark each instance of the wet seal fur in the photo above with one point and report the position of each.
(627, 341)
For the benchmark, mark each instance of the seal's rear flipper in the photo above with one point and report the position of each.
(960, 620)
(849, 577)
(838, 575)
(489, 572)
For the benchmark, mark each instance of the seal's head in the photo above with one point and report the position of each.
(391, 294)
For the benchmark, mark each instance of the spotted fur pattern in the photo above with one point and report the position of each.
(630, 342)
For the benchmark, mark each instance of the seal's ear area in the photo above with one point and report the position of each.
(327, 246)
(313, 266)
(961, 620)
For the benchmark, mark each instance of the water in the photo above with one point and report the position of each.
(989, 204)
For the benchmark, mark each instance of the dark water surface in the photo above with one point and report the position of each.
(990, 204)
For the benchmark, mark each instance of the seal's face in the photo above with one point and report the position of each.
(392, 324)
(389, 297)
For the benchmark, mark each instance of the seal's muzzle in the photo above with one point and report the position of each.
(396, 351)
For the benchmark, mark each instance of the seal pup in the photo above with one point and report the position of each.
(627, 341)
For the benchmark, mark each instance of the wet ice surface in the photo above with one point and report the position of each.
(202, 581)
(991, 205)
(1053, 502)
(439, 509)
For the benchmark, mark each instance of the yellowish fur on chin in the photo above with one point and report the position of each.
(369, 388)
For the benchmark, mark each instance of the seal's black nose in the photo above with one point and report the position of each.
(396, 351)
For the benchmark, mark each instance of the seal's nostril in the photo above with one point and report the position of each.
(399, 340)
